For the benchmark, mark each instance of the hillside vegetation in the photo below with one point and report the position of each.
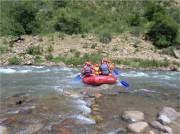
(154, 21)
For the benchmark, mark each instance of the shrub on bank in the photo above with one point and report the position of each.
(4, 49)
(105, 37)
(49, 57)
(164, 31)
(14, 61)
(142, 63)
(94, 57)
(35, 50)
(38, 59)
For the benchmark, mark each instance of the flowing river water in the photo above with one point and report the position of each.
(47, 109)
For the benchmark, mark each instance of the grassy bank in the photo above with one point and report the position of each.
(96, 57)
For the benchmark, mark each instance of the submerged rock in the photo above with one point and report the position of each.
(138, 127)
(133, 116)
(97, 118)
(3, 130)
(73, 93)
(33, 128)
(98, 95)
(64, 130)
(89, 101)
(10, 120)
(19, 95)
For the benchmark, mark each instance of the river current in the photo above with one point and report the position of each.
(47, 108)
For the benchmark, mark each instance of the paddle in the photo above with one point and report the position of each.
(115, 71)
(77, 78)
(121, 81)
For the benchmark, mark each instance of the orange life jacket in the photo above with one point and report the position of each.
(96, 70)
(111, 68)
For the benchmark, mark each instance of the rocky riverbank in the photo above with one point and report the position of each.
(37, 50)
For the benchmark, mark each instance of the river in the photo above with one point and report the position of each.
(46, 109)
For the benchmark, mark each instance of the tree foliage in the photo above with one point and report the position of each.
(163, 31)
(20, 17)
(68, 25)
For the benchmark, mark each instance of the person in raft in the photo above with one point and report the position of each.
(111, 67)
(104, 67)
(87, 69)
(96, 70)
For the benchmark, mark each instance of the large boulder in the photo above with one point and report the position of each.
(133, 116)
(167, 130)
(167, 115)
(138, 127)
(160, 127)
(157, 125)
(164, 119)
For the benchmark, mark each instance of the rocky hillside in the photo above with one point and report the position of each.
(121, 47)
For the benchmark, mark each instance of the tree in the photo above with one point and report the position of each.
(69, 25)
(152, 9)
(163, 31)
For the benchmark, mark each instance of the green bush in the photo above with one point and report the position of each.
(34, 50)
(25, 15)
(105, 37)
(135, 20)
(153, 8)
(94, 45)
(176, 63)
(142, 63)
(50, 49)
(168, 51)
(77, 54)
(4, 49)
(72, 50)
(152, 63)
(163, 31)
(21, 17)
(37, 59)
(59, 3)
(68, 25)
(136, 31)
(14, 60)
(95, 57)
(49, 56)
(61, 36)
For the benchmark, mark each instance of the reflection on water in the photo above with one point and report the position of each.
(47, 109)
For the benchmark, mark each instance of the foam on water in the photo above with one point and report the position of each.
(85, 109)
(80, 102)
(14, 71)
(58, 88)
(3, 70)
(163, 77)
(145, 90)
(170, 84)
(13, 112)
(67, 69)
(42, 71)
(24, 71)
(83, 120)
(37, 66)
(134, 74)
